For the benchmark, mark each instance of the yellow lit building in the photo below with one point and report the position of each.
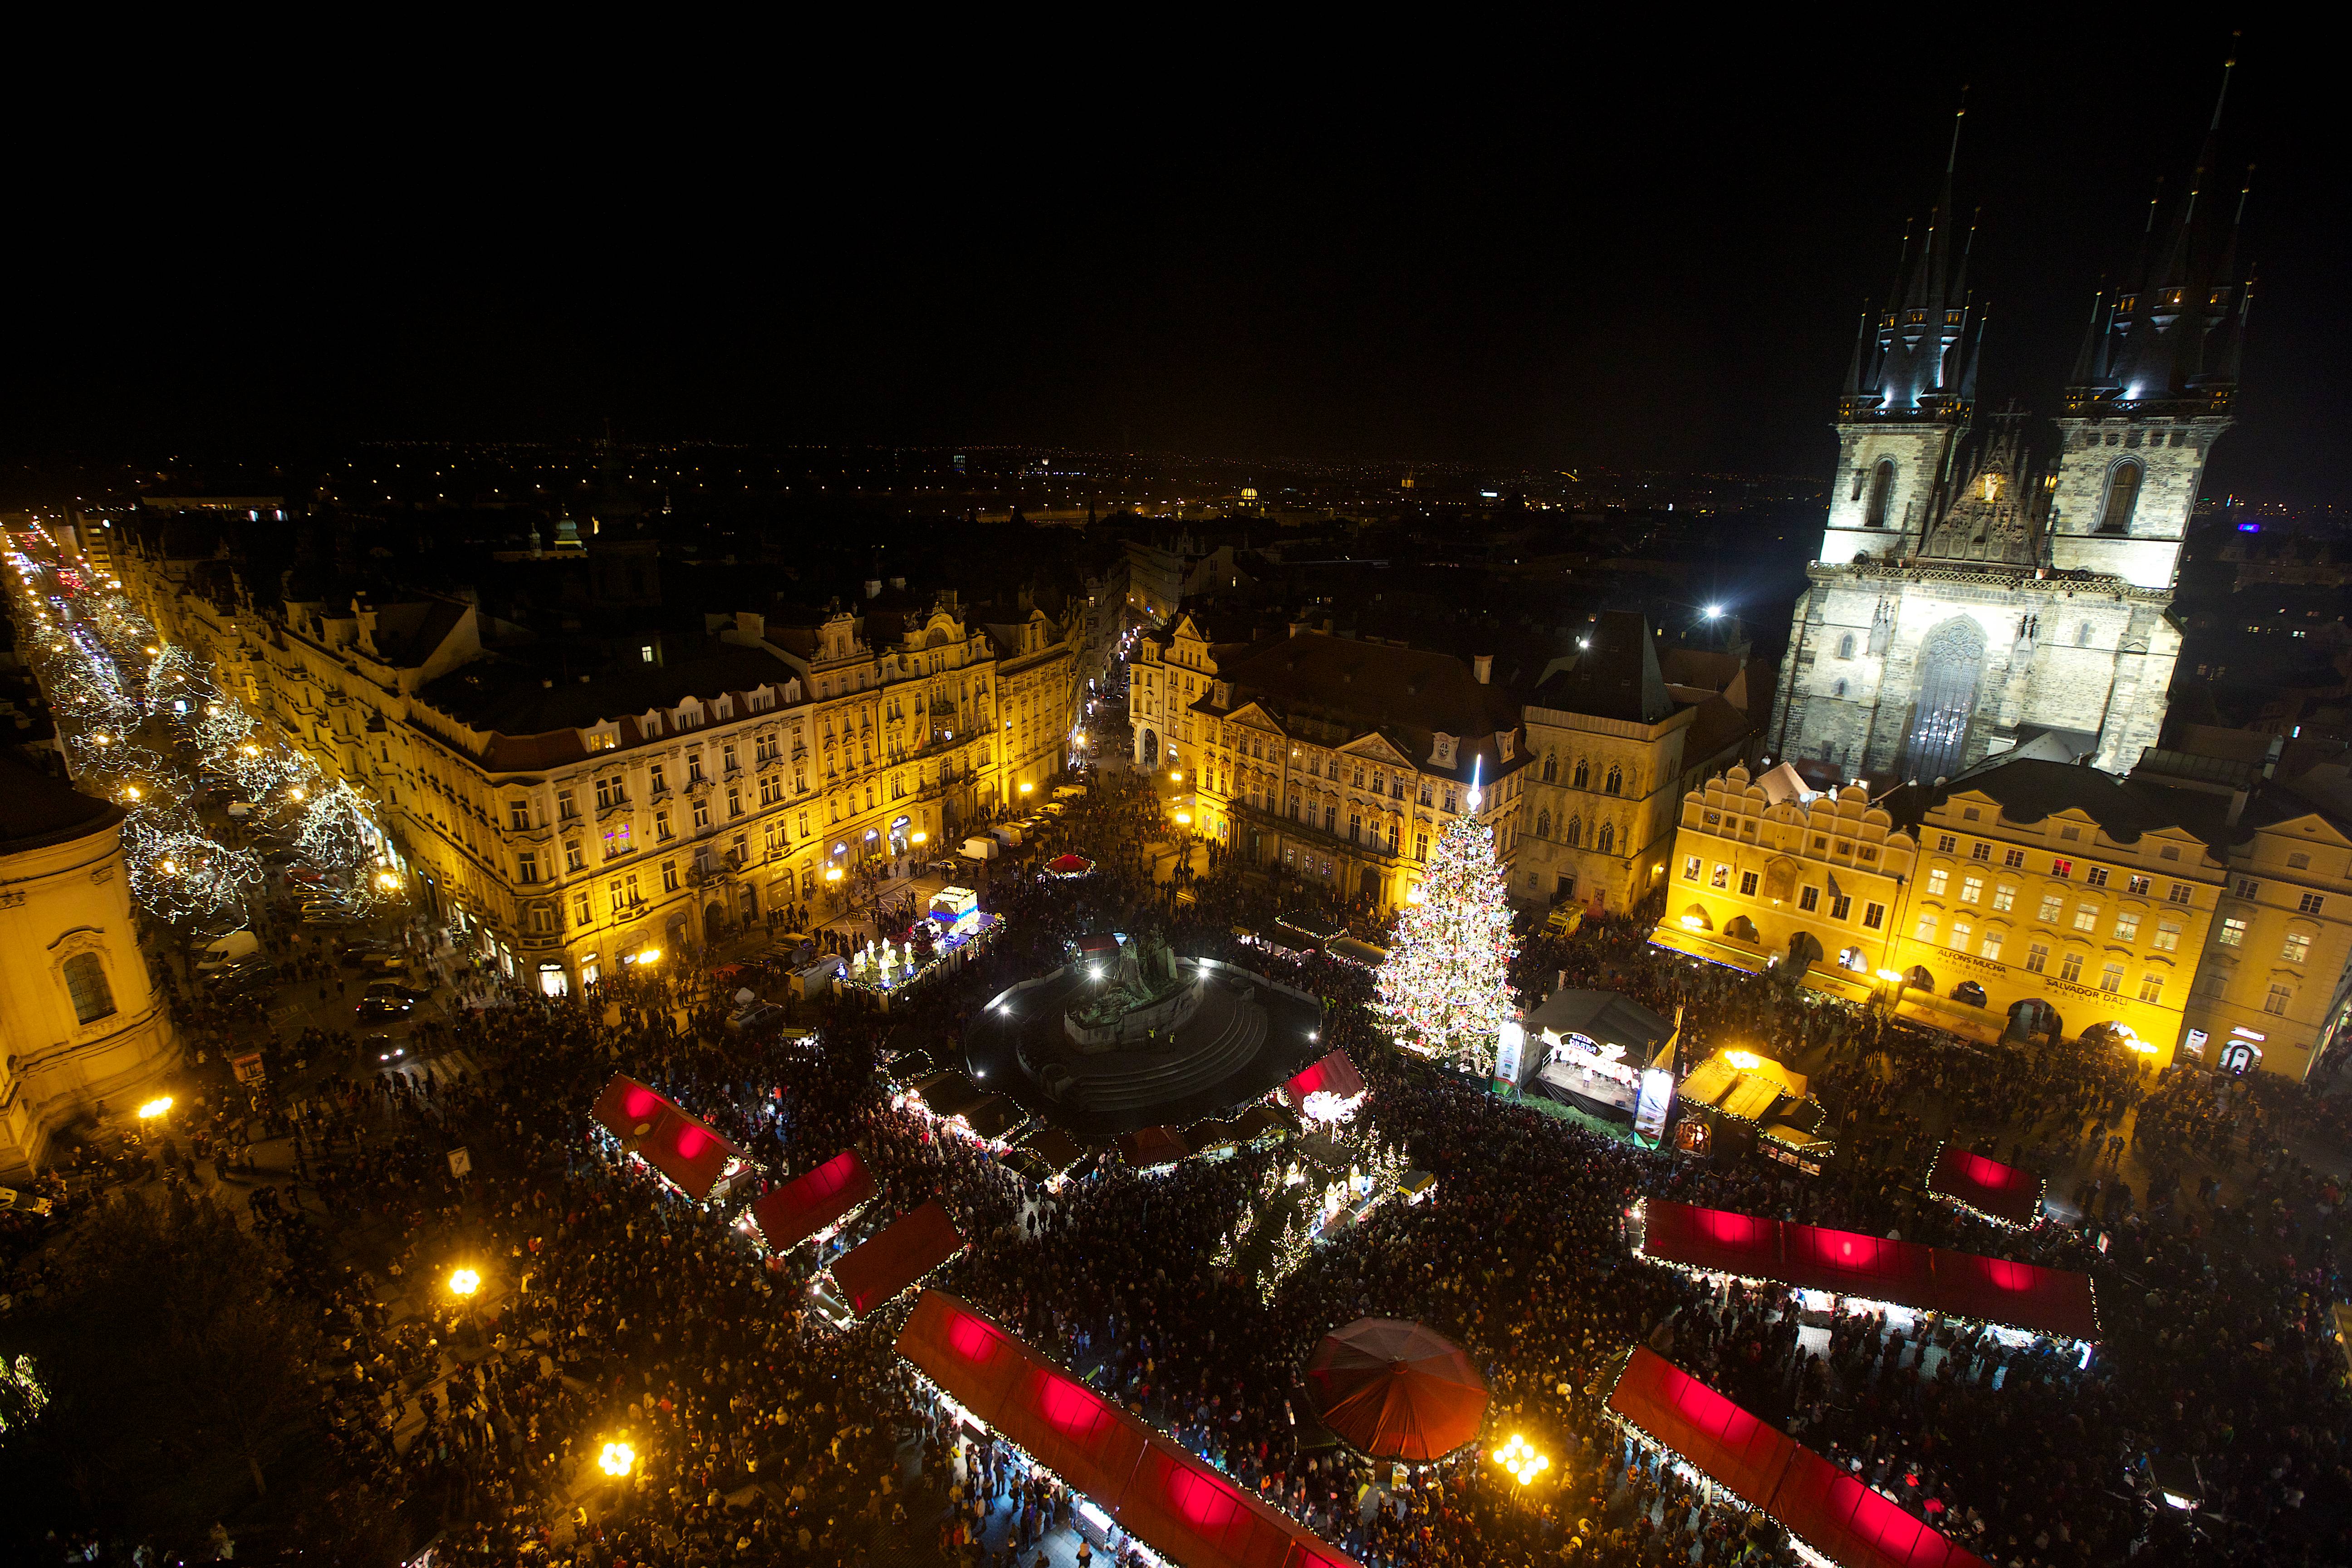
(80, 1021)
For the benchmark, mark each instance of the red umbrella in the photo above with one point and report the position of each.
(1395, 1390)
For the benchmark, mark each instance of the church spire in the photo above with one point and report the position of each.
(1914, 372)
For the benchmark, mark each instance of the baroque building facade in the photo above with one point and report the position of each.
(1965, 599)
(569, 823)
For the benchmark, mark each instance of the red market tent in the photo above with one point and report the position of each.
(1069, 865)
(627, 1109)
(1832, 1512)
(1849, 1262)
(1849, 1524)
(1335, 1075)
(910, 1247)
(1742, 1454)
(1176, 1504)
(2046, 1300)
(1395, 1390)
(691, 1155)
(1926, 1278)
(812, 1201)
(1998, 1192)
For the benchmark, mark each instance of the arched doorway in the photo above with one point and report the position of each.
(1369, 884)
(1694, 919)
(2031, 1017)
(1151, 753)
(1951, 662)
(1803, 950)
(1740, 927)
(1918, 979)
(2240, 1057)
(714, 921)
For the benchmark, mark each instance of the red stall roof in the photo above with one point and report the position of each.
(1852, 1264)
(911, 1246)
(1149, 1146)
(1335, 1074)
(2047, 1300)
(1743, 1454)
(2002, 1191)
(1847, 1522)
(813, 1200)
(627, 1109)
(1178, 1505)
(688, 1152)
(1928, 1279)
(1829, 1510)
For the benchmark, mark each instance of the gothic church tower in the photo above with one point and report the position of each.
(1964, 601)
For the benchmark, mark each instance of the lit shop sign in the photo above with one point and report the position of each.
(1657, 1095)
(1507, 1051)
(2197, 1038)
(2254, 1035)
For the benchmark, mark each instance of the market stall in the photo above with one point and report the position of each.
(1394, 1390)
(814, 1203)
(1834, 1517)
(1985, 1188)
(1868, 1271)
(877, 1270)
(1327, 1091)
(686, 1152)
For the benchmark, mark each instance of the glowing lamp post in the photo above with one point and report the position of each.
(1897, 980)
(464, 1283)
(617, 1460)
(1522, 1461)
(155, 1108)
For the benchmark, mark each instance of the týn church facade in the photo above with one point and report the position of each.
(1970, 596)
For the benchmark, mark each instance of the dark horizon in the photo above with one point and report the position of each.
(1624, 275)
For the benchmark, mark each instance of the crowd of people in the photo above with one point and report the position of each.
(617, 1311)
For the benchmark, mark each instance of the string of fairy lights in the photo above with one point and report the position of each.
(144, 722)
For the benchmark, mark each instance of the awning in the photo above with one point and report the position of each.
(1998, 1192)
(1151, 1147)
(627, 1109)
(1334, 1075)
(692, 1156)
(948, 1093)
(912, 1246)
(1847, 1263)
(1699, 944)
(1835, 1515)
(813, 1200)
(1176, 1504)
(1054, 1148)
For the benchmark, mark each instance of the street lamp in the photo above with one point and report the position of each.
(1898, 979)
(617, 1459)
(1523, 1463)
(464, 1283)
(155, 1108)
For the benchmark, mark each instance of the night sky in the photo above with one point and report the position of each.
(1635, 255)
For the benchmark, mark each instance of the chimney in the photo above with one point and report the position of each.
(1299, 628)
(873, 587)
(898, 584)
(1482, 667)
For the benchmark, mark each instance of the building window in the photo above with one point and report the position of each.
(1690, 868)
(2310, 903)
(1607, 842)
(1747, 884)
(565, 809)
(1722, 876)
(2246, 888)
(87, 988)
(2233, 931)
(2052, 906)
(2151, 987)
(1961, 931)
(518, 814)
(669, 876)
(1583, 773)
(1882, 494)
(1575, 832)
(581, 914)
(2180, 893)
(1979, 851)
(1809, 898)
(2095, 877)
(2111, 977)
(2012, 859)
(2004, 895)
(1846, 645)
(2123, 496)
(2037, 956)
(1925, 930)
(661, 827)
(2298, 947)
(1872, 915)
(616, 842)
(2069, 968)
(2168, 936)
(2281, 994)
(527, 868)
(571, 860)
(1946, 843)
(734, 801)
(701, 815)
(658, 779)
(2136, 885)
(1937, 880)
(2062, 867)
(2086, 916)
(2127, 925)
(1421, 847)
(1616, 780)
(1393, 837)
(1992, 946)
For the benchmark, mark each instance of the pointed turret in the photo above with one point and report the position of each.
(1854, 369)
(1912, 372)
(2168, 344)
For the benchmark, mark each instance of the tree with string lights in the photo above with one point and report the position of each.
(1445, 986)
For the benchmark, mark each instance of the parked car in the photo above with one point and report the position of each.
(371, 951)
(394, 988)
(754, 1013)
(254, 976)
(379, 1009)
(13, 1201)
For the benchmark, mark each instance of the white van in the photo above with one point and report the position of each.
(225, 950)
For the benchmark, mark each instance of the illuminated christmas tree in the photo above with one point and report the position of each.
(1445, 986)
